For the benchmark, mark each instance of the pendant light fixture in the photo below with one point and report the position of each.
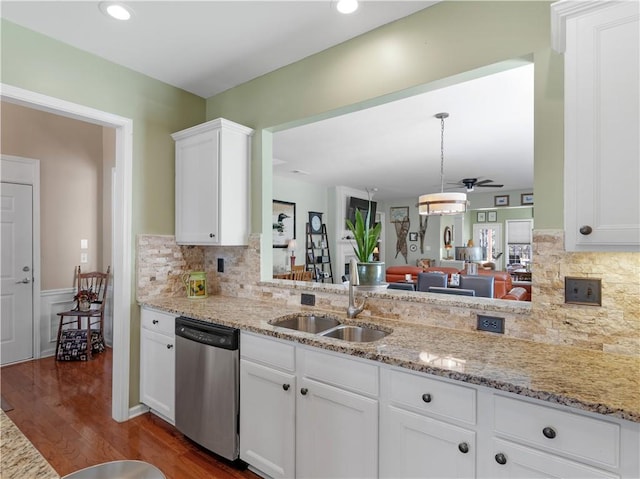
(442, 203)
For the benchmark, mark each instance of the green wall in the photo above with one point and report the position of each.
(37, 63)
(413, 54)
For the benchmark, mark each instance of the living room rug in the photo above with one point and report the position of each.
(4, 404)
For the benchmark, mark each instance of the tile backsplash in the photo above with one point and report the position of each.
(612, 327)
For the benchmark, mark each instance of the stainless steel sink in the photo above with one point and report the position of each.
(309, 323)
(356, 334)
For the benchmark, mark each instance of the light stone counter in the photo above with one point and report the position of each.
(19, 459)
(593, 381)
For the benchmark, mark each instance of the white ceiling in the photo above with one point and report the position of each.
(395, 147)
(206, 47)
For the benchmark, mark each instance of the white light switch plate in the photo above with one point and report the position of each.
(84, 258)
(84, 244)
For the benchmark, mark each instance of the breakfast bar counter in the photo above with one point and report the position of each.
(594, 381)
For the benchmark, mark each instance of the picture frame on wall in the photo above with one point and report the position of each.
(284, 223)
(501, 200)
(398, 213)
(526, 199)
(413, 236)
(492, 216)
(482, 217)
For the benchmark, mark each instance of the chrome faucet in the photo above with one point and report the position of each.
(353, 310)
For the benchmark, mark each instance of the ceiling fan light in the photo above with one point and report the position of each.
(442, 204)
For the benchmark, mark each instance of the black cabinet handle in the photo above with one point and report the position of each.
(169, 346)
(155, 321)
(285, 387)
(586, 230)
(463, 447)
(501, 459)
(211, 235)
(549, 432)
(304, 391)
(426, 397)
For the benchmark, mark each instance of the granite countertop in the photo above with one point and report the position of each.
(603, 383)
(20, 459)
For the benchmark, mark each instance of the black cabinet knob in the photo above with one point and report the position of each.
(285, 387)
(426, 397)
(549, 432)
(501, 459)
(169, 346)
(463, 447)
(211, 235)
(155, 321)
(304, 391)
(586, 230)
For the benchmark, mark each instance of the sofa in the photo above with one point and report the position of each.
(503, 284)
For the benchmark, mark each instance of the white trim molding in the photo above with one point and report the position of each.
(121, 225)
(565, 9)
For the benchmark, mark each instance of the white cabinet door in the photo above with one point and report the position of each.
(337, 432)
(197, 188)
(267, 419)
(412, 445)
(157, 372)
(602, 127)
(212, 184)
(513, 461)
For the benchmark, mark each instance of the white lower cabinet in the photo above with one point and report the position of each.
(418, 437)
(296, 422)
(157, 362)
(307, 412)
(267, 419)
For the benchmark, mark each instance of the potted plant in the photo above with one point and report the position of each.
(85, 297)
(370, 272)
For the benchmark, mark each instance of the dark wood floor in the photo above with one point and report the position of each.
(64, 408)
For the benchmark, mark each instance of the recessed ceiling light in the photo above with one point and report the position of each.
(347, 6)
(119, 11)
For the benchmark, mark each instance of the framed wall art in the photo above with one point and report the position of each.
(284, 223)
(482, 216)
(492, 216)
(526, 199)
(398, 213)
(413, 236)
(501, 200)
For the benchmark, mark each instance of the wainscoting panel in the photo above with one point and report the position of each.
(52, 302)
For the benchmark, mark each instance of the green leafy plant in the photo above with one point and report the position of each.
(366, 238)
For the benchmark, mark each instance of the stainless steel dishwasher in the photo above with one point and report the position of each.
(207, 385)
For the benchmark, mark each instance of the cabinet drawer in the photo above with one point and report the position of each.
(431, 396)
(340, 371)
(158, 321)
(564, 432)
(267, 351)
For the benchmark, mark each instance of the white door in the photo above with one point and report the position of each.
(267, 419)
(336, 433)
(16, 271)
(489, 236)
(412, 445)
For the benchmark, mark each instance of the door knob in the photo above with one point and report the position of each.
(586, 230)
(24, 281)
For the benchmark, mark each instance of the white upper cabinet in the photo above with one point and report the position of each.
(212, 183)
(601, 45)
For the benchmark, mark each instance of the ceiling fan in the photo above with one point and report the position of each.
(471, 183)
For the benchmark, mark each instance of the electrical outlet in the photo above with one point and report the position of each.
(308, 299)
(84, 258)
(583, 291)
(220, 265)
(493, 324)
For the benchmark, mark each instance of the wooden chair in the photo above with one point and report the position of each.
(76, 341)
(299, 274)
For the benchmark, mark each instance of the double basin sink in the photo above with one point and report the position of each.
(329, 327)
